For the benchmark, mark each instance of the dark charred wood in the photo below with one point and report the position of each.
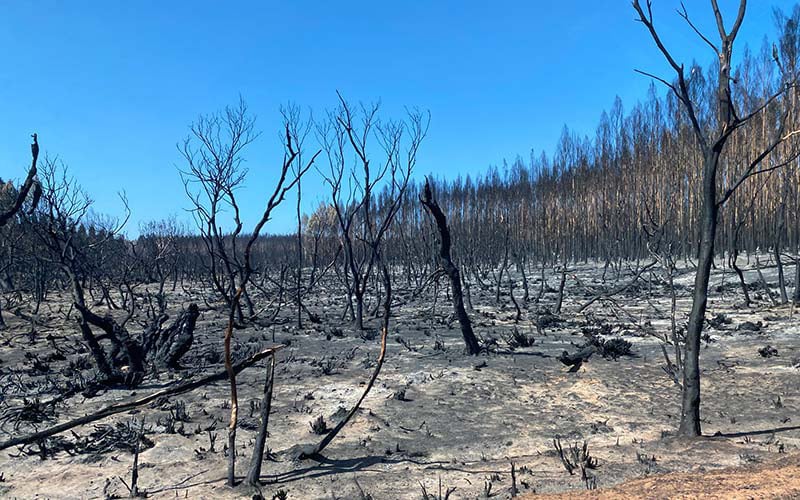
(576, 360)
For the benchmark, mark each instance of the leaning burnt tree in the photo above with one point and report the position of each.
(723, 121)
(450, 269)
(12, 200)
(31, 183)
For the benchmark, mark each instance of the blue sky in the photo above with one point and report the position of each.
(111, 87)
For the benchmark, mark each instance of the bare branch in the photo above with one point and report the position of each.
(685, 15)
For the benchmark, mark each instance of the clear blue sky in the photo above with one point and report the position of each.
(111, 87)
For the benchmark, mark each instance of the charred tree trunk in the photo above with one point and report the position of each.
(31, 182)
(777, 253)
(165, 347)
(740, 274)
(525, 287)
(468, 294)
(796, 298)
(561, 285)
(711, 143)
(542, 283)
(359, 296)
(299, 258)
(254, 473)
(690, 402)
(473, 348)
(514, 299)
(763, 281)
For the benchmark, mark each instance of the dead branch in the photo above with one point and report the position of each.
(128, 405)
(619, 289)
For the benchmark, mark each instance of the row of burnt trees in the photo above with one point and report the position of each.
(366, 162)
(591, 200)
(595, 198)
(551, 211)
(87, 255)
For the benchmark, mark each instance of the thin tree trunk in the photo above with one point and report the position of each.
(763, 281)
(525, 288)
(2, 321)
(299, 258)
(781, 276)
(796, 298)
(542, 284)
(254, 473)
(359, 310)
(467, 293)
(561, 285)
(740, 274)
(387, 311)
(514, 300)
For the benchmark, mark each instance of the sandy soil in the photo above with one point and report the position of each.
(462, 421)
(778, 479)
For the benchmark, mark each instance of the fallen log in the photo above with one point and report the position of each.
(619, 289)
(128, 405)
(576, 360)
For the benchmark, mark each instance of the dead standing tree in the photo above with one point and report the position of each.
(11, 203)
(31, 183)
(299, 130)
(363, 223)
(397, 168)
(213, 154)
(711, 138)
(240, 280)
(449, 268)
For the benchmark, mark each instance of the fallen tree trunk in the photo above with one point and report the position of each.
(314, 451)
(619, 289)
(576, 360)
(128, 405)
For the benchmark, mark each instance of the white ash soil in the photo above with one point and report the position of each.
(462, 420)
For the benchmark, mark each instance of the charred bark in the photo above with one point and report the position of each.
(259, 446)
(451, 270)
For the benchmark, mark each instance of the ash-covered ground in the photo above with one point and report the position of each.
(436, 416)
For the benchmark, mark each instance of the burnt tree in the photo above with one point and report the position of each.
(712, 135)
(61, 226)
(450, 269)
(31, 183)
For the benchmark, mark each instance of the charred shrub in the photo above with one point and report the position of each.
(612, 348)
(518, 339)
(319, 426)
